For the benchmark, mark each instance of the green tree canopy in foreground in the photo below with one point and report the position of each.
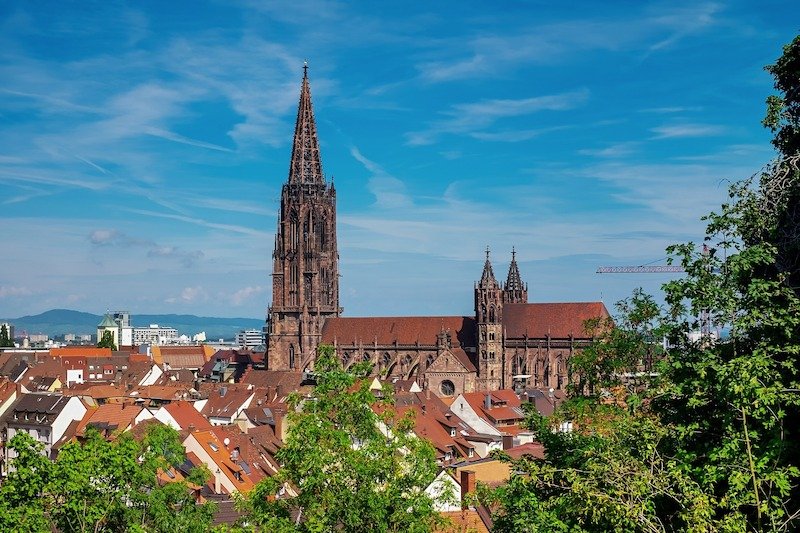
(99, 485)
(352, 469)
(715, 444)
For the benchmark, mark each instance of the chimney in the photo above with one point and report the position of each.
(278, 391)
(467, 486)
(191, 428)
(218, 482)
(427, 394)
(487, 401)
(508, 441)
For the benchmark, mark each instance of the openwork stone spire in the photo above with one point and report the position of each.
(514, 291)
(514, 281)
(487, 278)
(306, 165)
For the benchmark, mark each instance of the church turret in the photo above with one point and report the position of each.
(489, 316)
(305, 277)
(514, 291)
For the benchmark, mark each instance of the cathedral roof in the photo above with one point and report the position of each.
(406, 330)
(514, 281)
(559, 320)
(306, 164)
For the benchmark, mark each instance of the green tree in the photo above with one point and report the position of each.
(631, 343)
(5, 340)
(609, 474)
(715, 446)
(101, 485)
(107, 341)
(734, 402)
(21, 493)
(349, 473)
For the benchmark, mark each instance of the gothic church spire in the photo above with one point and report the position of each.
(514, 291)
(306, 164)
(514, 281)
(487, 278)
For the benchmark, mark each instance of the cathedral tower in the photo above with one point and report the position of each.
(514, 291)
(489, 319)
(305, 276)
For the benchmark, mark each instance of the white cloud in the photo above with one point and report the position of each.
(389, 191)
(686, 130)
(247, 293)
(11, 292)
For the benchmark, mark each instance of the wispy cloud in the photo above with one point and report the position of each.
(489, 54)
(623, 149)
(174, 137)
(389, 191)
(686, 130)
(111, 237)
(200, 222)
(474, 118)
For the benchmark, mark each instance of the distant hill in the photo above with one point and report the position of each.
(60, 321)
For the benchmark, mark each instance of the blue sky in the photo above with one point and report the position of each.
(143, 144)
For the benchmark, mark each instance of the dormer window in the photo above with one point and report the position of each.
(471, 452)
(452, 432)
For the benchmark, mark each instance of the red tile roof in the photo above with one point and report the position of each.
(186, 415)
(83, 351)
(559, 320)
(403, 330)
(109, 418)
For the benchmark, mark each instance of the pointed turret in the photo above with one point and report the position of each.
(305, 165)
(487, 278)
(514, 291)
(489, 329)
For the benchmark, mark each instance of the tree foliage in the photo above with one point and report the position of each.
(107, 341)
(99, 485)
(5, 339)
(629, 344)
(352, 469)
(714, 445)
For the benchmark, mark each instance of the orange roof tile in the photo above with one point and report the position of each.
(186, 415)
(82, 351)
(109, 418)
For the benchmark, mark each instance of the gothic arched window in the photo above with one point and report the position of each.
(491, 314)
(291, 356)
(429, 362)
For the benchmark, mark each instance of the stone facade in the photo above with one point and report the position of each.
(506, 343)
(305, 276)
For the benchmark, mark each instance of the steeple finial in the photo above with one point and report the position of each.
(306, 164)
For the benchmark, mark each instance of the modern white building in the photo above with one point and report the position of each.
(250, 338)
(155, 334)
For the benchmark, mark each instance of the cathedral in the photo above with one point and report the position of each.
(507, 343)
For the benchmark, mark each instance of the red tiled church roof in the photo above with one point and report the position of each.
(559, 320)
(403, 330)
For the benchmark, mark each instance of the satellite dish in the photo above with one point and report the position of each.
(226, 441)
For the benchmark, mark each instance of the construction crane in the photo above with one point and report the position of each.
(706, 324)
(641, 269)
